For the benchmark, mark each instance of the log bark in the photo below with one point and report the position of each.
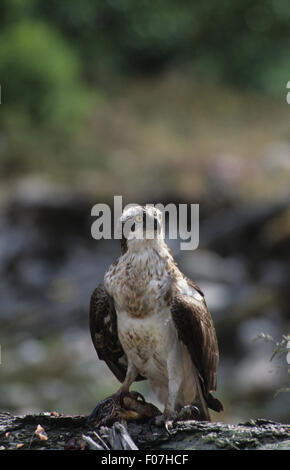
(54, 431)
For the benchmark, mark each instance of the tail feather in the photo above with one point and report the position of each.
(213, 403)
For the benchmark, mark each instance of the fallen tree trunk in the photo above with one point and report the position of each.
(54, 431)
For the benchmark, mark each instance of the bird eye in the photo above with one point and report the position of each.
(138, 218)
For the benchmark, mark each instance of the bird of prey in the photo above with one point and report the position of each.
(149, 321)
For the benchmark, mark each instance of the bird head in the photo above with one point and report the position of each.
(142, 225)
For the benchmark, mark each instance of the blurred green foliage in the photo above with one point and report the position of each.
(56, 57)
(40, 73)
(240, 42)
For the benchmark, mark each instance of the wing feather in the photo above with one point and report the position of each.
(104, 333)
(196, 330)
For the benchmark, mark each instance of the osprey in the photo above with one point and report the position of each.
(149, 321)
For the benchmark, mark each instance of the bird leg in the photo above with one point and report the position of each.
(123, 404)
(174, 383)
(174, 411)
(131, 375)
(124, 390)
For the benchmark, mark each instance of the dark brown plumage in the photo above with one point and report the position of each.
(103, 328)
(196, 330)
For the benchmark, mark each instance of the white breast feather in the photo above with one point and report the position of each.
(151, 342)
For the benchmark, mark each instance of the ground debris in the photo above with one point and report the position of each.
(40, 433)
(74, 433)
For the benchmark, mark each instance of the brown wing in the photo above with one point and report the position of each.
(104, 333)
(196, 330)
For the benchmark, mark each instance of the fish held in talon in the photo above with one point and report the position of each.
(129, 406)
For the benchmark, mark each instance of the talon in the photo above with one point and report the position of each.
(168, 420)
(188, 412)
(195, 411)
(165, 419)
(131, 396)
(136, 395)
